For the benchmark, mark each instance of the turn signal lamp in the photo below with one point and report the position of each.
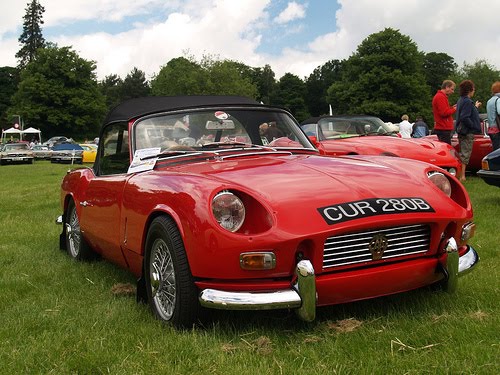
(258, 261)
(468, 231)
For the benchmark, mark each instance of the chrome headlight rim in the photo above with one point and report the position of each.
(228, 210)
(440, 180)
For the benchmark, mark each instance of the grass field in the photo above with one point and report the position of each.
(58, 316)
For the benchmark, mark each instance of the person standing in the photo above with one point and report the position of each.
(468, 123)
(493, 111)
(443, 112)
(420, 128)
(405, 127)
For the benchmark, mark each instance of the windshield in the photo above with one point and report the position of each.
(351, 126)
(20, 146)
(196, 130)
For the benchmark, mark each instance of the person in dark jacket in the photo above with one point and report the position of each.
(420, 128)
(468, 123)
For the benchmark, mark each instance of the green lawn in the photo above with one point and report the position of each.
(58, 316)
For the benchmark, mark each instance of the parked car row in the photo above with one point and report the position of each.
(63, 152)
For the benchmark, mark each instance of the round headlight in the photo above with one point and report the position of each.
(228, 210)
(441, 182)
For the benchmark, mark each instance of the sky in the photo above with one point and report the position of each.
(291, 36)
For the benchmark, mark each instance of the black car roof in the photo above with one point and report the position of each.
(136, 107)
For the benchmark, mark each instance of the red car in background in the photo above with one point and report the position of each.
(480, 148)
(369, 135)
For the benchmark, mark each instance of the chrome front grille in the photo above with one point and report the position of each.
(355, 247)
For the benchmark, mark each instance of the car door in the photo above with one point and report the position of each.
(101, 210)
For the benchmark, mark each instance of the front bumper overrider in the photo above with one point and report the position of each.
(302, 296)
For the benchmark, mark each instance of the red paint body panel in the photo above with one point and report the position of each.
(433, 152)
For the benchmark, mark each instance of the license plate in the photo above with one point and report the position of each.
(17, 159)
(339, 213)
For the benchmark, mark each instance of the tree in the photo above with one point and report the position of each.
(290, 93)
(9, 79)
(110, 87)
(264, 79)
(134, 85)
(317, 85)
(31, 38)
(384, 77)
(226, 77)
(180, 76)
(183, 76)
(58, 94)
(437, 68)
(483, 75)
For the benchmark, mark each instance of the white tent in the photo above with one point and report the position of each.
(33, 131)
(10, 131)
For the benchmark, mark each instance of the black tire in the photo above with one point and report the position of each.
(172, 295)
(76, 245)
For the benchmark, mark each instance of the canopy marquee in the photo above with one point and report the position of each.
(12, 131)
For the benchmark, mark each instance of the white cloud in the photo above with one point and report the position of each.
(292, 12)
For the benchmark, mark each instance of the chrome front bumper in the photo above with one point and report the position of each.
(302, 295)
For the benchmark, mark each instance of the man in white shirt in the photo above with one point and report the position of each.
(405, 127)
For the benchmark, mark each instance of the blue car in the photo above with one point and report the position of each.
(67, 153)
(490, 171)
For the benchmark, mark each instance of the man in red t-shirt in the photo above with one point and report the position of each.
(443, 112)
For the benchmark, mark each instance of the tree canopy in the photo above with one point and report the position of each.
(58, 94)
(183, 76)
(384, 77)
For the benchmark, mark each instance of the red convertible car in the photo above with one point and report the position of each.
(369, 135)
(187, 195)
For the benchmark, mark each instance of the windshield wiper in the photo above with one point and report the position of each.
(168, 153)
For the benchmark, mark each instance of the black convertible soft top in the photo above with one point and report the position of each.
(136, 107)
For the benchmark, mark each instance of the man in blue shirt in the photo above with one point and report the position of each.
(420, 128)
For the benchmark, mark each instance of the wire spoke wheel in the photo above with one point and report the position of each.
(163, 283)
(76, 245)
(172, 294)
(73, 234)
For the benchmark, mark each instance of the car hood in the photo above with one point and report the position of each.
(293, 185)
(399, 146)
